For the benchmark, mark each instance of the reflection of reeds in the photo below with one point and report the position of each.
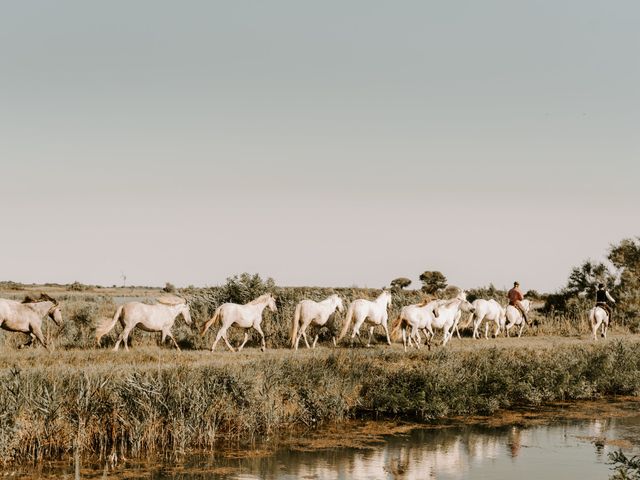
(397, 467)
(158, 401)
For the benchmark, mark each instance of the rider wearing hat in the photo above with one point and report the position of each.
(602, 299)
(515, 296)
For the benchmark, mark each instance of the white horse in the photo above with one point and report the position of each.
(599, 316)
(514, 317)
(244, 316)
(489, 310)
(374, 313)
(448, 316)
(151, 318)
(308, 313)
(416, 316)
(26, 317)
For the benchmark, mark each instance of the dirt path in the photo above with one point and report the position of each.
(156, 356)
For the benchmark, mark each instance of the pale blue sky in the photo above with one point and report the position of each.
(321, 143)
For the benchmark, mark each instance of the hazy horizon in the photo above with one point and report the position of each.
(330, 144)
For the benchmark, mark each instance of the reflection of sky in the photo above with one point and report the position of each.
(322, 143)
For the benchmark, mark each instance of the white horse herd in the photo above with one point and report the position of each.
(26, 317)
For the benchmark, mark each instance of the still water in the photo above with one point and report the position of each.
(543, 449)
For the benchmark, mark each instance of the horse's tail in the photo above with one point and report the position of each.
(106, 325)
(466, 325)
(295, 325)
(347, 321)
(397, 324)
(212, 320)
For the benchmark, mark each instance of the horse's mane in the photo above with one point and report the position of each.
(450, 301)
(170, 300)
(260, 299)
(43, 298)
(425, 300)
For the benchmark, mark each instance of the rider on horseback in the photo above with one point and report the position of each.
(515, 296)
(602, 298)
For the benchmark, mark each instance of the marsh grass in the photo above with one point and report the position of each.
(155, 401)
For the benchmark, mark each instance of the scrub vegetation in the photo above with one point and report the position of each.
(108, 405)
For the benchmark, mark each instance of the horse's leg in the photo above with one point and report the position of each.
(170, 335)
(35, 330)
(262, 341)
(356, 330)
(417, 339)
(125, 337)
(412, 337)
(407, 337)
(386, 332)
(121, 337)
(226, 340)
(298, 336)
(429, 335)
(304, 336)
(222, 333)
(370, 335)
(508, 327)
(246, 337)
(521, 328)
(445, 337)
(315, 340)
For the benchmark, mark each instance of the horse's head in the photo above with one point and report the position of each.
(466, 306)
(55, 313)
(388, 297)
(186, 313)
(271, 303)
(337, 303)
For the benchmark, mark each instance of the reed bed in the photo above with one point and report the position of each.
(156, 401)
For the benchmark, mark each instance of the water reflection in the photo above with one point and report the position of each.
(567, 449)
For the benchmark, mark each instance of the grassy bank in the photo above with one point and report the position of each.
(157, 401)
